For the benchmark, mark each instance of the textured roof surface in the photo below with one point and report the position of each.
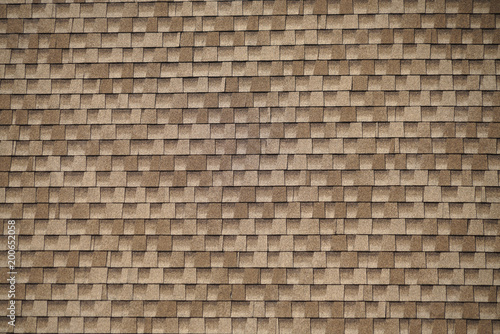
(278, 166)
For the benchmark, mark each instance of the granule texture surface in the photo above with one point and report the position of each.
(327, 166)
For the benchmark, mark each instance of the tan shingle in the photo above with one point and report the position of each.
(251, 166)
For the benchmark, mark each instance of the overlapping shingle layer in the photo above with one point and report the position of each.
(252, 166)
